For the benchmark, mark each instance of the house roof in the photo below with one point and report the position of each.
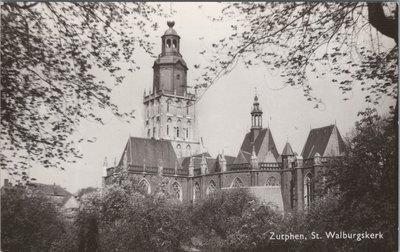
(149, 152)
(318, 139)
(54, 191)
(287, 150)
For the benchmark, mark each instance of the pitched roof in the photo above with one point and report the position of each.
(53, 191)
(287, 150)
(318, 139)
(242, 158)
(264, 142)
(49, 190)
(149, 152)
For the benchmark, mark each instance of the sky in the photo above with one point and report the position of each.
(223, 111)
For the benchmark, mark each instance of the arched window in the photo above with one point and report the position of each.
(148, 133)
(211, 188)
(169, 121)
(154, 131)
(272, 181)
(178, 76)
(168, 105)
(178, 146)
(196, 191)
(307, 190)
(168, 43)
(178, 127)
(145, 186)
(237, 182)
(188, 150)
(174, 43)
(177, 190)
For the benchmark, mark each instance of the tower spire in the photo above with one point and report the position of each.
(256, 117)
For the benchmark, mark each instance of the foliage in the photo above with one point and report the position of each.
(29, 222)
(361, 192)
(50, 53)
(122, 217)
(302, 41)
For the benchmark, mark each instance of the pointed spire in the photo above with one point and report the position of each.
(287, 150)
(105, 166)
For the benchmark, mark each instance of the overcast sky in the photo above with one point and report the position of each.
(223, 111)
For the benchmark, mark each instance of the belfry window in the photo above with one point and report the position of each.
(168, 43)
(174, 44)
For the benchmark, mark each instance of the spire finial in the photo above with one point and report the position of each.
(170, 23)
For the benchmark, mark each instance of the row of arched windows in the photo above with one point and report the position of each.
(171, 43)
(236, 183)
(176, 188)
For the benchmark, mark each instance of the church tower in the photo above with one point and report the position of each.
(256, 118)
(169, 108)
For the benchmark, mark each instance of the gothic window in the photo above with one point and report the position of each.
(272, 181)
(174, 44)
(168, 43)
(177, 190)
(179, 124)
(168, 105)
(187, 108)
(307, 190)
(148, 132)
(196, 191)
(154, 131)
(169, 121)
(187, 133)
(145, 186)
(292, 193)
(147, 122)
(211, 188)
(237, 182)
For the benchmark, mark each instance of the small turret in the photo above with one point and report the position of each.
(256, 118)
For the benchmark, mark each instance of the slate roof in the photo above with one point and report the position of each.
(287, 150)
(264, 138)
(318, 139)
(150, 152)
(242, 157)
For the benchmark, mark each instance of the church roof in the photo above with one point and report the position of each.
(242, 157)
(287, 150)
(263, 142)
(149, 152)
(318, 139)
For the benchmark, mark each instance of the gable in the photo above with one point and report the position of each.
(326, 141)
(149, 152)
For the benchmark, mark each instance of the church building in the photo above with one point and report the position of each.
(171, 147)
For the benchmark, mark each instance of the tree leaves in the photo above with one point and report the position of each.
(49, 54)
(307, 40)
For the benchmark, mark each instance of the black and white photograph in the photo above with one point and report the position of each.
(199, 126)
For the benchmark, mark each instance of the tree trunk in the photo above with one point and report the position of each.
(388, 26)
